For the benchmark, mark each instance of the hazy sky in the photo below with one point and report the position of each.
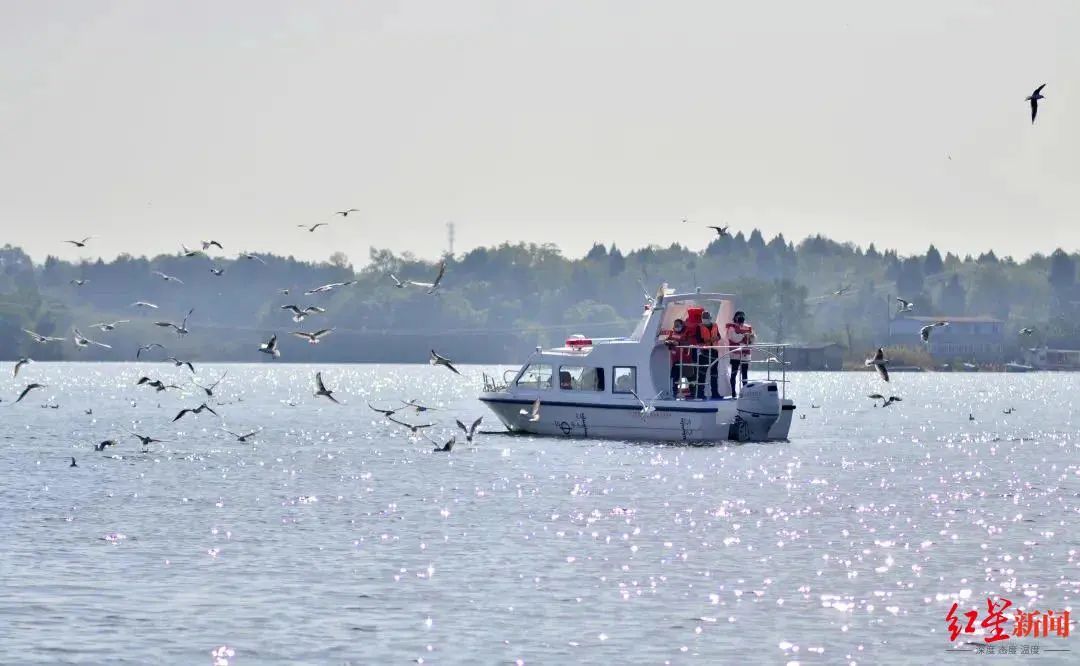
(153, 123)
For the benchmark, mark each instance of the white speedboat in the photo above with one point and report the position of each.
(626, 388)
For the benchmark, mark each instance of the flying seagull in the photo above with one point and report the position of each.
(720, 231)
(283, 292)
(168, 278)
(891, 400)
(82, 243)
(181, 329)
(1027, 331)
(217, 270)
(470, 432)
(417, 406)
(904, 306)
(101, 446)
(313, 338)
(322, 390)
(270, 347)
(144, 304)
(198, 410)
(345, 213)
(146, 441)
(534, 413)
(397, 283)
(29, 387)
(78, 283)
(384, 412)
(253, 257)
(924, 332)
(186, 251)
(178, 363)
(107, 326)
(1034, 99)
(42, 339)
(207, 243)
(148, 347)
(312, 227)
(19, 364)
(243, 438)
(155, 383)
(209, 390)
(415, 428)
(328, 287)
(842, 290)
(448, 447)
(647, 407)
(299, 315)
(81, 342)
(432, 286)
(436, 359)
(879, 361)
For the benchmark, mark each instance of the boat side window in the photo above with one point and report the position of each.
(623, 379)
(577, 378)
(535, 375)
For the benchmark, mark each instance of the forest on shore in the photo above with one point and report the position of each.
(497, 303)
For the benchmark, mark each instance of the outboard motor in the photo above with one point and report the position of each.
(757, 409)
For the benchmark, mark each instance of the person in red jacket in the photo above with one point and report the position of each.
(708, 368)
(682, 357)
(739, 334)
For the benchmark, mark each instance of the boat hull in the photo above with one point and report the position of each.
(689, 421)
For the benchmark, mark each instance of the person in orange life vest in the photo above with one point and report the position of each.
(739, 334)
(681, 356)
(709, 335)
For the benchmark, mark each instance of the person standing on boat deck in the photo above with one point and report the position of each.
(709, 333)
(681, 355)
(739, 334)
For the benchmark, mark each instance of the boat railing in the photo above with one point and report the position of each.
(704, 360)
(496, 385)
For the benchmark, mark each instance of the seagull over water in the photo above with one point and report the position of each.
(181, 329)
(270, 347)
(152, 345)
(647, 407)
(533, 413)
(209, 390)
(78, 283)
(168, 278)
(432, 286)
(106, 443)
(470, 432)
(299, 315)
(1027, 330)
(109, 326)
(904, 306)
(29, 387)
(447, 447)
(328, 287)
(1034, 99)
(436, 359)
(217, 270)
(19, 364)
(144, 304)
(42, 339)
(198, 410)
(879, 361)
(415, 428)
(313, 338)
(924, 332)
(178, 363)
(81, 341)
(321, 390)
(384, 412)
(243, 438)
(397, 283)
(186, 251)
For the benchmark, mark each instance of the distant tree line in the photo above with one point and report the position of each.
(496, 303)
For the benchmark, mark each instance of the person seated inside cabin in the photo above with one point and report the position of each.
(682, 355)
(566, 382)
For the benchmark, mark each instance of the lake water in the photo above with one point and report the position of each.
(337, 538)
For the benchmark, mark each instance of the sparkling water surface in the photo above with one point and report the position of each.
(338, 537)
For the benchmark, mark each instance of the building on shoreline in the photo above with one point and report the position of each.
(978, 339)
